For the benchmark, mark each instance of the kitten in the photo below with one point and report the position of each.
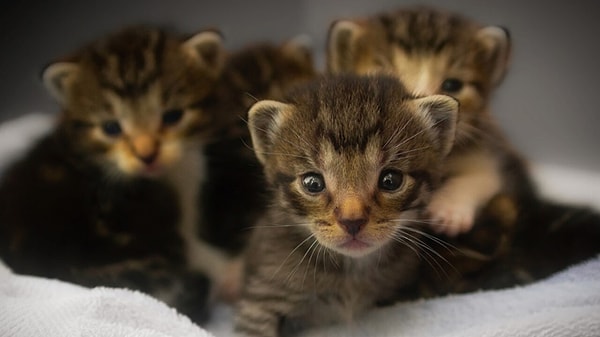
(434, 52)
(351, 162)
(235, 193)
(518, 236)
(109, 197)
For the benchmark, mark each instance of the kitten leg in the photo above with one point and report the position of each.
(262, 308)
(454, 205)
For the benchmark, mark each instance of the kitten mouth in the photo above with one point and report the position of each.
(151, 171)
(355, 245)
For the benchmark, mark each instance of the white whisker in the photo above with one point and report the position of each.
(290, 254)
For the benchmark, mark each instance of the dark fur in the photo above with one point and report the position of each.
(236, 192)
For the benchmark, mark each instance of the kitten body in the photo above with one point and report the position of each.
(110, 196)
(351, 162)
(432, 52)
(235, 193)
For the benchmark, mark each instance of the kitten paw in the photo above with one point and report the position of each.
(451, 217)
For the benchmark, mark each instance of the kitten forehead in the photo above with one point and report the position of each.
(423, 29)
(347, 111)
(127, 62)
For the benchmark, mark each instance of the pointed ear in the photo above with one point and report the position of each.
(442, 114)
(207, 48)
(496, 44)
(265, 118)
(342, 41)
(299, 48)
(58, 79)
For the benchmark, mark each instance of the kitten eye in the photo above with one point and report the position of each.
(390, 180)
(313, 182)
(112, 128)
(452, 85)
(172, 117)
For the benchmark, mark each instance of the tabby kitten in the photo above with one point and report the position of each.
(518, 237)
(235, 193)
(109, 197)
(434, 52)
(351, 161)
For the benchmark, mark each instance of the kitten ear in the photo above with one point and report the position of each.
(299, 50)
(496, 44)
(342, 41)
(442, 112)
(207, 48)
(58, 78)
(264, 120)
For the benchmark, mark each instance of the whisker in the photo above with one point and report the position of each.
(290, 254)
(293, 272)
(423, 249)
(430, 251)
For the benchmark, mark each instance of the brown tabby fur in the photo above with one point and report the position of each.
(326, 255)
(515, 232)
(433, 51)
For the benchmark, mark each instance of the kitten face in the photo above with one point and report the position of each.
(133, 101)
(352, 159)
(432, 52)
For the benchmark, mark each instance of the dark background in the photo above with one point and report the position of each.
(548, 104)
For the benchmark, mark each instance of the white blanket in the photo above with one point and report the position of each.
(567, 304)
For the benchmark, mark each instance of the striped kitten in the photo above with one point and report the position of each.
(518, 237)
(109, 197)
(351, 161)
(235, 193)
(435, 52)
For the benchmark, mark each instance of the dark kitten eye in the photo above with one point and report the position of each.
(172, 117)
(112, 128)
(452, 85)
(390, 180)
(313, 182)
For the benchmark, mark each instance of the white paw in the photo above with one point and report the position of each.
(451, 216)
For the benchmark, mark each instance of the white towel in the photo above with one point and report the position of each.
(565, 305)
(35, 307)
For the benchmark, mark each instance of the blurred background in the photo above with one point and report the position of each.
(547, 103)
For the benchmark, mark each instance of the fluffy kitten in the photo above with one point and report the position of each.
(351, 162)
(434, 52)
(518, 237)
(110, 196)
(235, 193)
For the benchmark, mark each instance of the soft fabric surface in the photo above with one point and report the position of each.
(567, 304)
(33, 306)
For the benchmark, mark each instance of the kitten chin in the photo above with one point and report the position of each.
(351, 161)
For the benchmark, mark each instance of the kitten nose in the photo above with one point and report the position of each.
(351, 214)
(353, 226)
(145, 148)
(149, 158)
